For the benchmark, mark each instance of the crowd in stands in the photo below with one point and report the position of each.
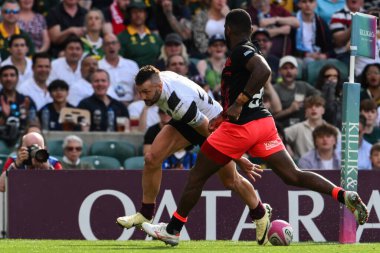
(83, 55)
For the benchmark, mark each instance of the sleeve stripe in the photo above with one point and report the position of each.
(191, 113)
(173, 101)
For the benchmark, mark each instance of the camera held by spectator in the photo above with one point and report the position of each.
(34, 151)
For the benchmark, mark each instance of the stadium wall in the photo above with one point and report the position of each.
(85, 204)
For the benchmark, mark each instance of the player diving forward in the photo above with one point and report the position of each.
(249, 128)
(191, 109)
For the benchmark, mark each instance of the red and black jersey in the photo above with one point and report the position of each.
(235, 76)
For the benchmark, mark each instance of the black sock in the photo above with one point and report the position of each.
(174, 226)
(258, 212)
(341, 196)
(147, 210)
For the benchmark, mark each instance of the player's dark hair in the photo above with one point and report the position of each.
(41, 55)
(16, 37)
(146, 73)
(239, 22)
(6, 67)
(325, 130)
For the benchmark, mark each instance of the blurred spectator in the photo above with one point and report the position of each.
(142, 116)
(27, 158)
(10, 15)
(116, 16)
(101, 105)
(64, 20)
(368, 108)
(364, 162)
(82, 87)
(67, 68)
(340, 26)
(210, 69)
(262, 37)
(313, 37)
(375, 157)
(371, 4)
(323, 156)
(72, 150)
(43, 6)
(292, 93)
(101, 4)
(35, 25)
(37, 86)
(58, 90)
(329, 82)
(271, 99)
(153, 131)
(18, 50)
(92, 39)
(277, 21)
(138, 43)
(16, 110)
(299, 136)
(370, 83)
(173, 16)
(209, 22)
(181, 160)
(174, 46)
(326, 8)
(122, 71)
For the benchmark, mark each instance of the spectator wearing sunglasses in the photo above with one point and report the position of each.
(72, 150)
(10, 13)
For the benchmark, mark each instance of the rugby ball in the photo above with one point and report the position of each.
(280, 233)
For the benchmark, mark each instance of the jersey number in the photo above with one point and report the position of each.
(256, 99)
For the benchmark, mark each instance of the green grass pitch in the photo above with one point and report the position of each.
(73, 246)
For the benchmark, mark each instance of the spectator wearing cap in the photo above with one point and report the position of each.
(138, 43)
(262, 38)
(210, 69)
(64, 20)
(58, 90)
(292, 93)
(10, 15)
(312, 40)
(37, 86)
(174, 46)
(122, 71)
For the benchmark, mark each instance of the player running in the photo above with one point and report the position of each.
(248, 127)
(190, 108)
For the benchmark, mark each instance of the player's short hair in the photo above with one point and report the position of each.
(6, 67)
(239, 21)
(146, 73)
(16, 37)
(314, 100)
(368, 105)
(41, 55)
(325, 130)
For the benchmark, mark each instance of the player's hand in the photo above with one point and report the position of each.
(215, 122)
(233, 112)
(250, 169)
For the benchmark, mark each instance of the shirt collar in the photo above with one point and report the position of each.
(4, 32)
(132, 30)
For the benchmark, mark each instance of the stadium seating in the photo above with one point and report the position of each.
(117, 149)
(4, 149)
(313, 68)
(102, 162)
(134, 163)
(55, 148)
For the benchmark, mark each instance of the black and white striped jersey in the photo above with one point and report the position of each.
(186, 101)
